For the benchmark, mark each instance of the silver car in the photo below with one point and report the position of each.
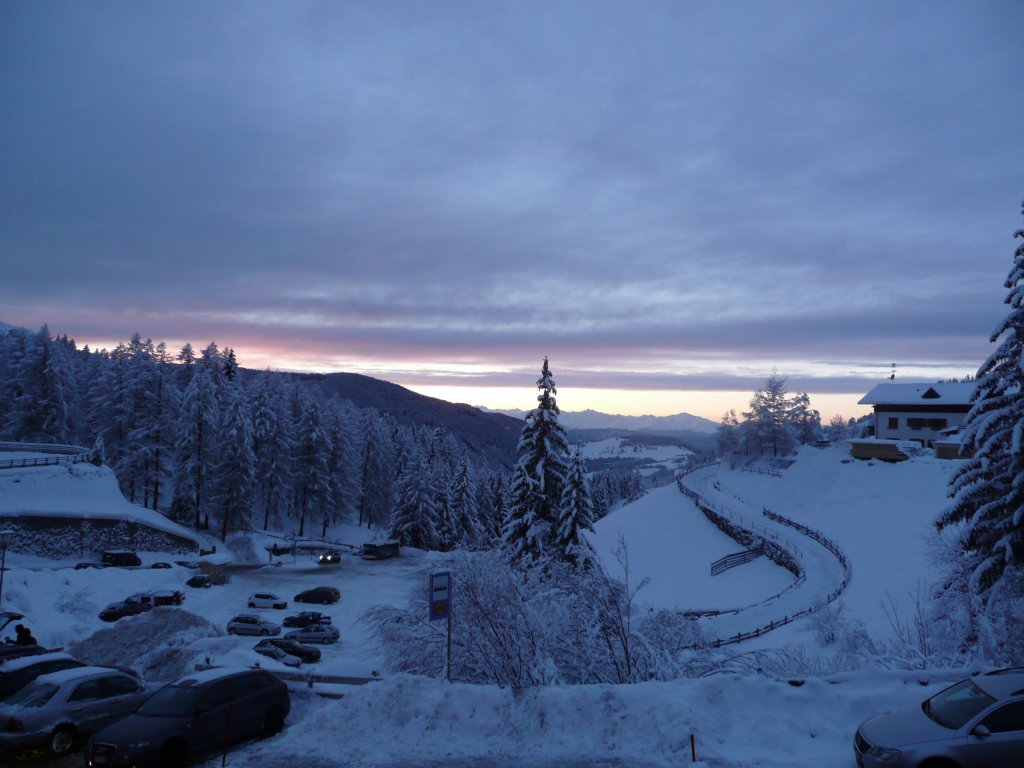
(249, 624)
(59, 708)
(315, 633)
(977, 723)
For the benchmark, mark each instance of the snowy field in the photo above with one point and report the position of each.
(878, 513)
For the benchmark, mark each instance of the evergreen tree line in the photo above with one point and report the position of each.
(775, 424)
(214, 447)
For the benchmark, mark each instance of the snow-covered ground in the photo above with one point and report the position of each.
(879, 514)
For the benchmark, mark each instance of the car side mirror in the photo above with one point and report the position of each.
(981, 731)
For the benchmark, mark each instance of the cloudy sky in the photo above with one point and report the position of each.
(669, 200)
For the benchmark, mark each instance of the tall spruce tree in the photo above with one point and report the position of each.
(576, 515)
(533, 513)
(234, 486)
(988, 490)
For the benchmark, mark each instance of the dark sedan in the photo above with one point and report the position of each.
(306, 618)
(116, 611)
(199, 713)
(323, 595)
(307, 654)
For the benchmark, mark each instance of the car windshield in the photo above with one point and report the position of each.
(956, 705)
(35, 695)
(172, 701)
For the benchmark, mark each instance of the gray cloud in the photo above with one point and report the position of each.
(627, 188)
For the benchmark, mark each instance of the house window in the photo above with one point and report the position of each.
(894, 422)
(936, 423)
(917, 423)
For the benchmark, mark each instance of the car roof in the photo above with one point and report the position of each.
(77, 673)
(1002, 684)
(208, 675)
(22, 662)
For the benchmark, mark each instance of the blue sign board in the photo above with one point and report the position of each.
(440, 595)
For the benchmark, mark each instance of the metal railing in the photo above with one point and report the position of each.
(56, 454)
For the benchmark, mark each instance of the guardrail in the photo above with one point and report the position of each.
(309, 679)
(44, 461)
(760, 471)
(56, 454)
(723, 564)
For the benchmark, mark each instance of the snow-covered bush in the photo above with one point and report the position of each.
(528, 627)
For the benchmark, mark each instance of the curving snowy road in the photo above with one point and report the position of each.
(824, 575)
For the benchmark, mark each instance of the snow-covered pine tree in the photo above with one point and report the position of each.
(805, 421)
(414, 520)
(465, 509)
(39, 410)
(376, 481)
(195, 447)
(576, 514)
(272, 446)
(767, 426)
(542, 454)
(520, 519)
(342, 463)
(234, 485)
(988, 491)
(312, 466)
(727, 436)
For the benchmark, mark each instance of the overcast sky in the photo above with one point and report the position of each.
(669, 197)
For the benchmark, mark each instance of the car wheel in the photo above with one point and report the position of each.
(252, 605)
(273, 722)
(61, 740)
(264, 632)
(232, 631)
(174, 754)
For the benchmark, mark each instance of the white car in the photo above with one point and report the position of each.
(247, 624)
(267, 600)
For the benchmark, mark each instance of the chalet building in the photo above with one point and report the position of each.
(925, 413)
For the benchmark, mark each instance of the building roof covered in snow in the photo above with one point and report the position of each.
(920, 393)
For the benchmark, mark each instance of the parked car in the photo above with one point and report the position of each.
(167, 597)
(248, 624)
(278, 654)
(976, 723)
(266, 600)
(324, 595)
(315, 633)
(380, 550)
(187, 563)
(83, 566)
(329, 558)
(121, 558)
(200, 581)
(306, 618)
(57, 709)
(307, 653)
(15, 674)
(116, 611)
(193, 716)
(161, 565)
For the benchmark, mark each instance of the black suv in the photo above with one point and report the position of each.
(307, 654)
(323, 595)
(195, 715)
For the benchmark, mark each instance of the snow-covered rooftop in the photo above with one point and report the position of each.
(920, 393)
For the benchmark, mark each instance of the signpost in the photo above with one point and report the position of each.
(441, 606)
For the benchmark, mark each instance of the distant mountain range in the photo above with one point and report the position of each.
(590, 419)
